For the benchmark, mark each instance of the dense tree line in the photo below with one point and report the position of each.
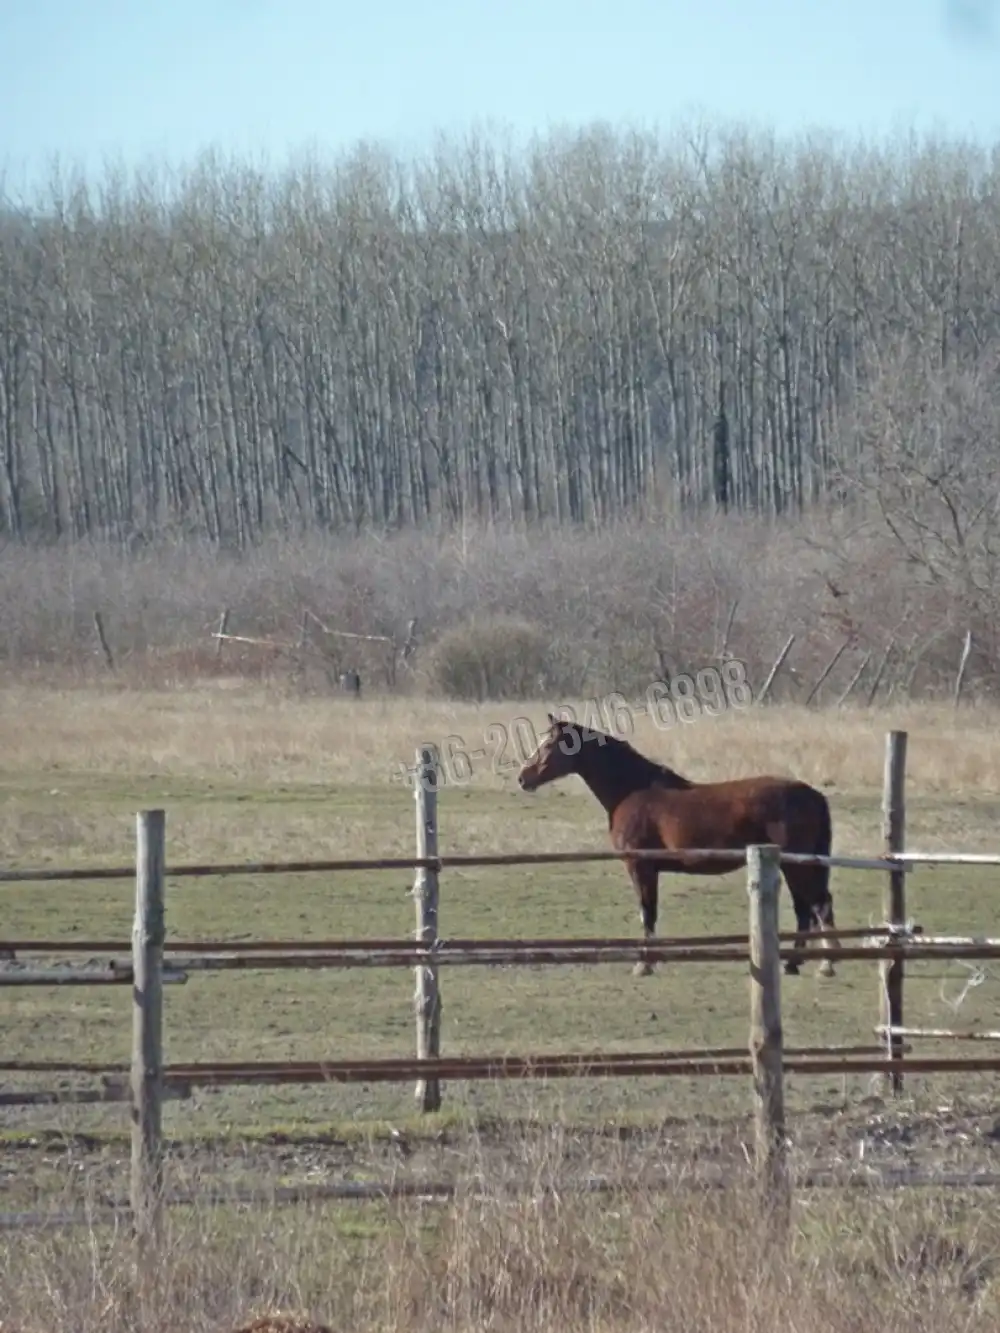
(593, 325)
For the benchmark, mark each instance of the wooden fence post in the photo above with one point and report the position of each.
(763, 887)
(148, 933)
(894, 895)
(427, 1000)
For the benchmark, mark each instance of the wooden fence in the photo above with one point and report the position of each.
(765, 1061)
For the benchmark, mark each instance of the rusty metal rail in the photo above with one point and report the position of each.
(708, 1053)
(116, 1212)
(902, 861)
(414, 954)
(55, 946)
(687, 857)
(67, 976)
(591, 1065)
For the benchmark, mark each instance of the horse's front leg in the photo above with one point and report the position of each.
(645, 876)
(813, 909)
(803, 926)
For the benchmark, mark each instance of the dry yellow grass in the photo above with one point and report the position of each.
(76, 763)
(231, 729)
(634, 1263)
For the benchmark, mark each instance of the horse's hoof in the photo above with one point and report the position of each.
(826, 968)
(791, 969)
(642, 970)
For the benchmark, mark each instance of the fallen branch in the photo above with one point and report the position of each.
(260, 643)
(854, 680)
(826, 671)
(775, 669)
(347, 634)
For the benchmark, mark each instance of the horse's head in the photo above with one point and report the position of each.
(555, 758)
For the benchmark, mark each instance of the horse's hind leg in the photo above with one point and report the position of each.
(823, 914)
(803, 924)
(645, 876)
(810, 890)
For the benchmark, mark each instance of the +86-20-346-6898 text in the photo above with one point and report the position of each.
(685, 698)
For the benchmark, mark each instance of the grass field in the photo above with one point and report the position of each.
(244, 774)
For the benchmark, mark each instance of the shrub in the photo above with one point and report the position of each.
(499, 658)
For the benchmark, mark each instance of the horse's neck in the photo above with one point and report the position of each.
(609, 789)
(611, 784)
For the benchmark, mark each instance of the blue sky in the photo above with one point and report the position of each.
(162, 80)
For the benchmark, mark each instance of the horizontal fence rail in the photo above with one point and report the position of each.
(940, 1034)
(109, 1092)
(708, 1053)
(946, 858)
(413, 955)
(66, 976)
(458, 942)
(115, 1212)
(558, 1065)
(901, 861)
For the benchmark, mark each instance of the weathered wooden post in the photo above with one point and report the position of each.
(894, 896)
(427, 1000)
(148, 933)
(763, 887)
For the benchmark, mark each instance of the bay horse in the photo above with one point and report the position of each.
(650, 806)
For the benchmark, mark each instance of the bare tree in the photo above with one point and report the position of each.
(599, 326)
(927, 436)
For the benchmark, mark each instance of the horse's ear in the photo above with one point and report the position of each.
(552, 720)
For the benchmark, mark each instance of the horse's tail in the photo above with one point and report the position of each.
(822, 843)
(824, 834)
(812, 826)
(810, 884)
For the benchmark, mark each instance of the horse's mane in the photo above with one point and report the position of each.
(636, 763)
